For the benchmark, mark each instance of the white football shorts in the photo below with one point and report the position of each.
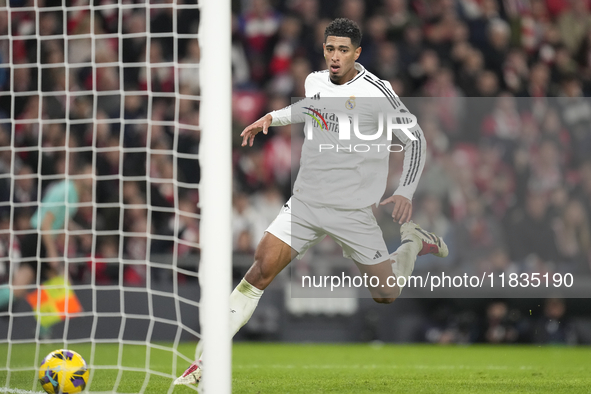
(301, 225)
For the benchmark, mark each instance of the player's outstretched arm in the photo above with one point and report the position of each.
(402, 210)
(251, 131)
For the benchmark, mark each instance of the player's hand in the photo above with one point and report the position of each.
(250, 131)
(402, 208)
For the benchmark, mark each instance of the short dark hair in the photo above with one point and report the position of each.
(343, 27)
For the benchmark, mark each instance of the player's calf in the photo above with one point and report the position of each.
(384, 291)
(271, 257)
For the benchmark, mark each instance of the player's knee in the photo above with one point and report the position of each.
(384, 300)
(384, 295)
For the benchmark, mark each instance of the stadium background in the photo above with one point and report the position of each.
(510, 196)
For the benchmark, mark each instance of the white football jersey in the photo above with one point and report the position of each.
(339, 172)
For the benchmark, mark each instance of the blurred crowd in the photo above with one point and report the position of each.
(118, 79)
(499, 88)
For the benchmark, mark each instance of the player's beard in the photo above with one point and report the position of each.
(337, 77)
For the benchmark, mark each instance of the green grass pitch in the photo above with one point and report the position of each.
(315, 368)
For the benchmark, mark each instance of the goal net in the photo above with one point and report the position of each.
(114, 176)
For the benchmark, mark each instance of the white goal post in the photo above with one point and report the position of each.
(126, 328)
(215, 194)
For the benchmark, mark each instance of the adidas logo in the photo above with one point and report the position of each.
(378, 255)
(430, 236)
(316, 96)
(232, 310)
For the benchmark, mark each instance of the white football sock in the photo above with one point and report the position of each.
(243, 301)
(403, 260)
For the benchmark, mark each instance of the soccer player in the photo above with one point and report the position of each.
(330, 197)
(57, 207)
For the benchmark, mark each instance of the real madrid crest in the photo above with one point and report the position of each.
(350, 104)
